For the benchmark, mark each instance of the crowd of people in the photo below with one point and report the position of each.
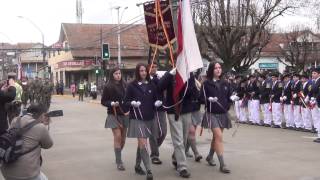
(23, 126)
(140, 110)
(291, 101)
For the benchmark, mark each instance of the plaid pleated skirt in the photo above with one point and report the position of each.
(196, 118)
(211, 120)
(142, 129)
(112, 122)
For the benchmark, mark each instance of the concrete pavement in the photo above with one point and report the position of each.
(83, 150)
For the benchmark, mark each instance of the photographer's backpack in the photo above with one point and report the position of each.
(11, 143)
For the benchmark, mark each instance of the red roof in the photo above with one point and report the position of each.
(84, 39)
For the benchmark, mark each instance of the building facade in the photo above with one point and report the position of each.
(77, 54)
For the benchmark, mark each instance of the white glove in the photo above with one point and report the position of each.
(138, 104)
(281, 99)
(295, 95)
(134, 104)
(115, 104)
(285, 98)
(307, 99)
(173, 71)
(213, 99)
(313, 99)
(234, 98)
(158, 103)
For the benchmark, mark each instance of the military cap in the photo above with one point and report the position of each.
(317, 70)
(305, 75)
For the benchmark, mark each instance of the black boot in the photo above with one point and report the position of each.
(149, 175)
(139, 170)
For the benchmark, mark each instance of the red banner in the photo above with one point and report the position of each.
(156, 34)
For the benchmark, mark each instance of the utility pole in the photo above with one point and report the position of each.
(119, 36)
(119, 41)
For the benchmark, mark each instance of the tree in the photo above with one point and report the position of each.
(299, 48)
(236, 31)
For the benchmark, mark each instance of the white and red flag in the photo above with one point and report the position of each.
(189, 58)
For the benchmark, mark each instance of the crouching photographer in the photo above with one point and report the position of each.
(30, 135)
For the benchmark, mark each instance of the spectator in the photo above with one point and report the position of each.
(7, 94)
(27, 167)
(73, 89)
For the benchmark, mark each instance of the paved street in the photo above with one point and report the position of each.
(83, 150)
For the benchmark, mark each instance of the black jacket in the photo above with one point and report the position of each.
(287, 91)
(167, 83)
(253, 90)
(146, 94)
(155, 79)
(5, 97)
(220, 89)
(315, 92)
(276, 91)
(265, 90)
(296, 88)
(241, 90)
(114, 92)
(306, 89)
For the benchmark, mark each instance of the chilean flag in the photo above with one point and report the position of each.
(189, 58)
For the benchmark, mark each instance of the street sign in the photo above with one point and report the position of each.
(105, 51)
(268, 65)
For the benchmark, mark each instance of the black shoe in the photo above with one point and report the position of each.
(184, 173)
(139, 170)
(317, 140)
(224, 170)
(149, 175)
(313, 131)
(306, 130)
(250, 123)
(267, 125)
(156, 160)
(175, 164)
(120, 167)
(198, 158)
(189, 155)
(210, 161)
(276, 126)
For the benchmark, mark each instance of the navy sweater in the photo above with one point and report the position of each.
(146, 94)
(220, 89)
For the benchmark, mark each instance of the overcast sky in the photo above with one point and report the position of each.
(49, 14)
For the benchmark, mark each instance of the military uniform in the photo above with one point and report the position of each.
(305, 108)
(276, 92)
(265, 90)
(25, 93)
(297, 104)
(287, 106)
(254, 102)
(315, 96)
(243, 102)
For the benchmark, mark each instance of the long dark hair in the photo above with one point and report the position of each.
(111, 82)
(137, 73)
(210, 70)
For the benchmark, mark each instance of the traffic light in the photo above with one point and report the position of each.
(105, 51)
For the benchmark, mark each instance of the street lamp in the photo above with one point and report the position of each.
(42, 36)
(119, 42)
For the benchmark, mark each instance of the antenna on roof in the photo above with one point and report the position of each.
(79, 11)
